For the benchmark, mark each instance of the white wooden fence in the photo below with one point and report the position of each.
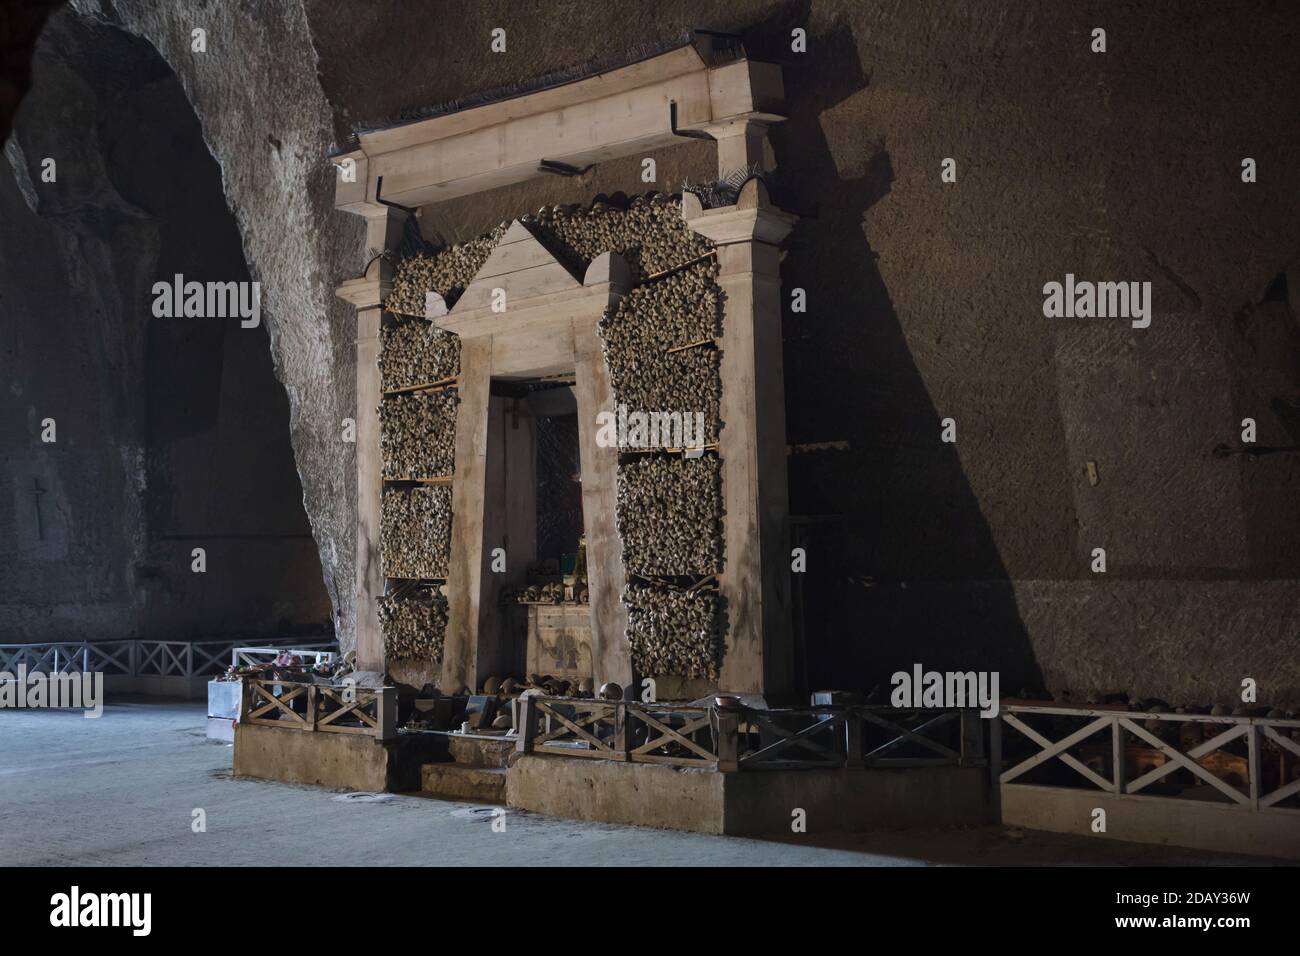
(193, 660)
(1251, 763)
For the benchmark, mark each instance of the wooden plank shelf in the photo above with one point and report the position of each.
(711, 446)
(675, 269)
(691, 345)
(407, 315)
(440, 384)
(435, 480)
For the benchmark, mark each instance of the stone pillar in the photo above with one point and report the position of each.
(611, 657)
(383, 231)
(755, 582)
(470, 618)
(742, 143)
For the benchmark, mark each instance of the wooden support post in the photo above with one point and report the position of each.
(972, 738)
(313, 707)
(852, 741)
(755, 581)
(622, 739)
(383, 231)
(468, 619)
(742, 144)
(995, 769)
(1117, 757)
(728, 740)
(387, 697)
(1252, 762)
(527, 726)
(611, 658)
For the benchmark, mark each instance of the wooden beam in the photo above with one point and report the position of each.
(755, 582)
(623, 112)
(468, 494)
(611, 657)
(382, 229)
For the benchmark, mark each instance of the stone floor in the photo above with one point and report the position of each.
(123, 790)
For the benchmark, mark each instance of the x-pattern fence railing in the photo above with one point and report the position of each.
(1252, 762)
(197, 659)
(336, 709)
(730, 739)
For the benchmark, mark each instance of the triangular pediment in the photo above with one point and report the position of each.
(521, 265)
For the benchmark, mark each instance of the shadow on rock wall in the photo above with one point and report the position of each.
(910, 574)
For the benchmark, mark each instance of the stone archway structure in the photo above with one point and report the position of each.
(526, 315)
(549, 326)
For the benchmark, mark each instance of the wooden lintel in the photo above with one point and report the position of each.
(611, 115)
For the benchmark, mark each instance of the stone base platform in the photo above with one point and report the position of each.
(1141, 819)
(338, 761)
(753, 802)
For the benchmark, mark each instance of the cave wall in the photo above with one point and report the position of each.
(171, 432)
(265, 121)
(925, 301)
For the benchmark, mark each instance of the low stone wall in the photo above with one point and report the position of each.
(749, 803)
(1139, 819)
(338, 761)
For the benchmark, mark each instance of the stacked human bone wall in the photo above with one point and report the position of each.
(417, 435)
(414, 625)
(415, 532)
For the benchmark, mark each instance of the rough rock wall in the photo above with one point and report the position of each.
(72, 510)
(170, 432)
(266, 122)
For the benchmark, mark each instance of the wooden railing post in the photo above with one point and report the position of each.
(312, 704)
(387, 699)
(728, 740)
(527, 726)
(995, 768)
(972, 738)
(1252, 759)
(852, 740)
(622, 738)
(1117, 756)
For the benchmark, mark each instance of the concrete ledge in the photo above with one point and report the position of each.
(1139, 819)
(747, 803)
(455, 782)
(338, 761)
(610, 792)
(856, 800)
